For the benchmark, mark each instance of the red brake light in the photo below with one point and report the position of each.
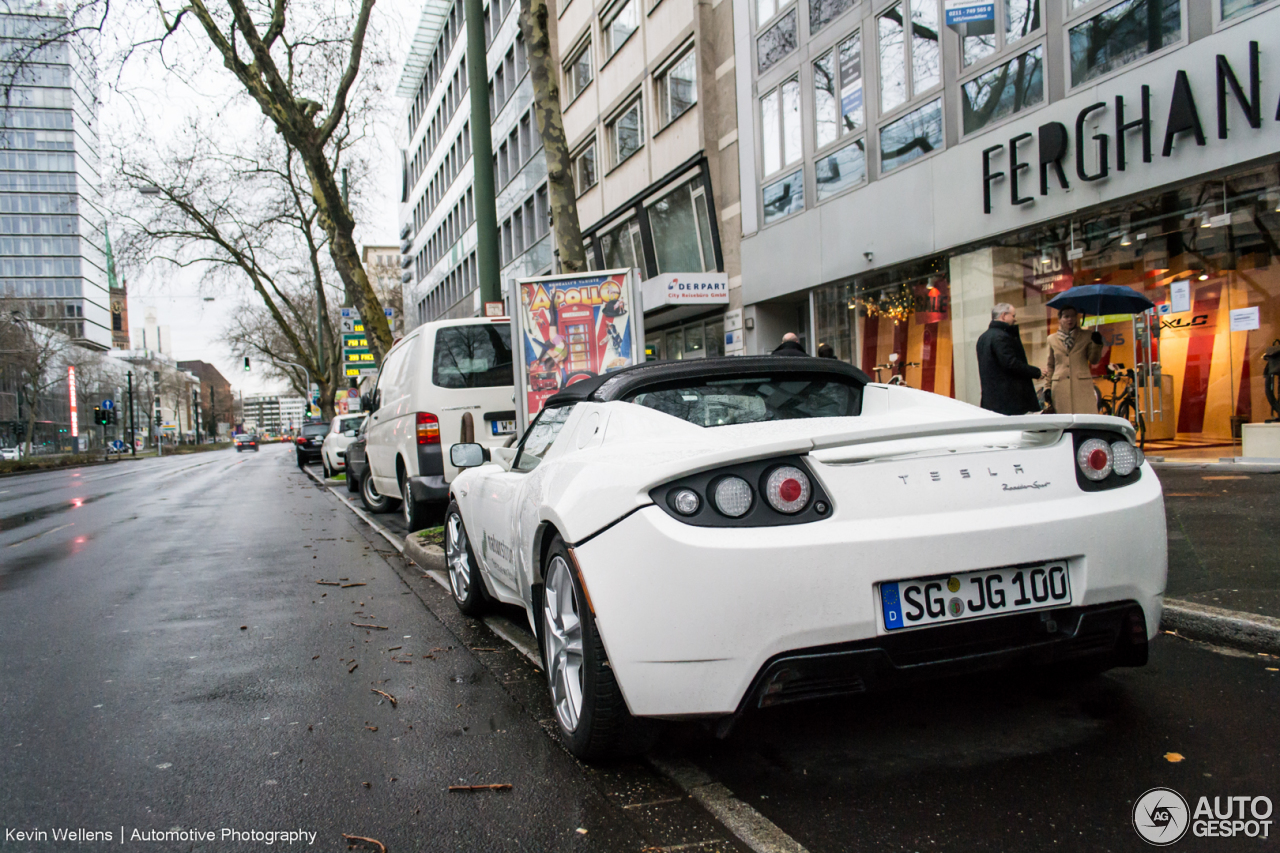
(428, 428)
(787, 489)
(1098, 459)
(300, 440)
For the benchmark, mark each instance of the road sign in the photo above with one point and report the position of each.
(357, 355)
(355, 341)
(108, 404)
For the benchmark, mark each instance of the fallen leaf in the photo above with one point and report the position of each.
(372, 728)
(500, 786)
(349, 585)
(581, 831)
(314, 657)
(388, 696)
(1272, 669)
(1173, 757)
(364, 840)
(244, 627)
(367, 784)
(353, 669)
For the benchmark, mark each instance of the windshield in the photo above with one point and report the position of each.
(475, 356)
(720, 402)
(314, 430)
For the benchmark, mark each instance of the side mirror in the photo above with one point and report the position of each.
(468, 455)
(349, 433)
(366, 405)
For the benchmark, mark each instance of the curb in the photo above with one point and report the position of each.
(428, 557)
(1242, 467)
(1250, 631)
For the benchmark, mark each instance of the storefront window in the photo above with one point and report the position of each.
(1122, 34)
(698, 339)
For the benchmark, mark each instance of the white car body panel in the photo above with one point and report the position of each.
(689, 614)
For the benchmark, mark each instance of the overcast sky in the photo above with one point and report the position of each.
(143, 94)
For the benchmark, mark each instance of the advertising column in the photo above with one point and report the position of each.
(570, 328)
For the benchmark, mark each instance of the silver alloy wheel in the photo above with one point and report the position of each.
(563, 627)
(455, 554)
(371, 491)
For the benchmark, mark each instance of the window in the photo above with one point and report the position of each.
(584, 168)
(504, 169)
(626, 132)
(908, 67)
(776, 42)
(541, 210)
(618, 25)
(780, 126)
(766, 9)
(540, 436)
(1003, 91)
(677, 88)
(746, 401)
(822, 12)
(577, 72)
(1234, 8)
(1122, 34)
(784, 197)
(836, 115)
(621, 246)
(517, 233)
(979, 38)
(914, 135)
(475, 356)
(526, 139)
(836, 172)
(681, 230)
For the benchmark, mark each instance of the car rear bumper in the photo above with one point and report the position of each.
(691, 617)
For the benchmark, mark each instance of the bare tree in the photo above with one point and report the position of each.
(41, 356)
(288, 64)
(243, 217)
(546, 107)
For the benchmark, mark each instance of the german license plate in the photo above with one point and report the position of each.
(503, 427)
(974, 595)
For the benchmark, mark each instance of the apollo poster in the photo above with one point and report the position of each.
(574, 327)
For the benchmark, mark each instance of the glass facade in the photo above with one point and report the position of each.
(51, 256)
(1206, 254)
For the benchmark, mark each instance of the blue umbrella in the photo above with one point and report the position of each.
(1099, 299)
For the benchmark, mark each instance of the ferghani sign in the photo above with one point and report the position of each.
(1054, 150)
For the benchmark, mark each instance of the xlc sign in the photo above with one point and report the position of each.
(1051, 148)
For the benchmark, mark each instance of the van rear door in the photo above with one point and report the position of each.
(472, 374)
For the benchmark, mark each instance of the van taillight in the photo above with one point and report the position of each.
(428, 428)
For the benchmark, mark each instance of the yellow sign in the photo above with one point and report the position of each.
(1104, 320)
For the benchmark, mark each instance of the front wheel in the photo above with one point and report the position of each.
(369, 496)
(324, 466)
(353, 482)
(593, 718)
(464, 576)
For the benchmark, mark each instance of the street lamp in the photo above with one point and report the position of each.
(306, 396)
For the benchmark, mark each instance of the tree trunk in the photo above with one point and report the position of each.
(546, 107)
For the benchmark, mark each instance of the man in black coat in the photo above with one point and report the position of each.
(1002, 366)
(790, 346)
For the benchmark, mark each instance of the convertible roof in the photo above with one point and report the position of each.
(630, 380)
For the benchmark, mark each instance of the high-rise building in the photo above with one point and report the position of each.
(52, 263)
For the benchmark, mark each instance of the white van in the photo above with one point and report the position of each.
(446, 382)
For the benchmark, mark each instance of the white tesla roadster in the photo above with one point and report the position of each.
(698, 539)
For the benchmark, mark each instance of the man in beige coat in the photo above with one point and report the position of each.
(1071, 351)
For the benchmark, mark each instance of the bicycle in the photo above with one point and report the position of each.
(1123, 403)
(893, 365)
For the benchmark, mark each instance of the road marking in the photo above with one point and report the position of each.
(752, 828)
(38, 535)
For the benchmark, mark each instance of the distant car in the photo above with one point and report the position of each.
(333, 452)
(695, 539)
(246, 441)
(309, 441)
(10, 454)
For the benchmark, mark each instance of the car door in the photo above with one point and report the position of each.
(502, 496)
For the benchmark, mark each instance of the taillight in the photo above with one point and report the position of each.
(428, 428)
(787, 489)
(300, 440)
(1094, 458)
(732, 496)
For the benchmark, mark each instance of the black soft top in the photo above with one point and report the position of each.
(629, 381)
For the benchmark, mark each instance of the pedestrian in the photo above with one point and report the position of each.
(826, 351)
(790, 345)
(1069, 385)
(1002, 366)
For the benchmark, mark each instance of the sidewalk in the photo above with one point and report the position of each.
(1224, 552)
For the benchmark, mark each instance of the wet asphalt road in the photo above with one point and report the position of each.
(133, 698)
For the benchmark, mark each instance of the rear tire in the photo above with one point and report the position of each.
(415, 516)
(465, 583)
(369, 496)
(593, 718)
(301, 464)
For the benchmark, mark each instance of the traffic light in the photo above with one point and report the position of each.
(159, 420)
(115, 416)
(101, 416)
(246, 364)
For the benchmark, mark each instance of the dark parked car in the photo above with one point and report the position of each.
(247, 441)
(357, 461)
(309, 442)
